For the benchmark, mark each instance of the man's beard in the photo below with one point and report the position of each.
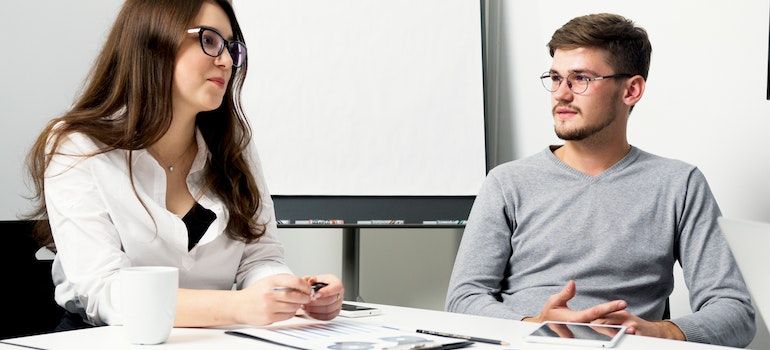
(585, 131)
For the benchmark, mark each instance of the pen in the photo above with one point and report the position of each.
(314, 288)
(466, 337)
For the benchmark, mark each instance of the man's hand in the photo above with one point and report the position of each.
(638, 326)
(555, 309)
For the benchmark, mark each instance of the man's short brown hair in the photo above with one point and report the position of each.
(628, 46)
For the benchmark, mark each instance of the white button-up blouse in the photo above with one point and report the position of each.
(99, 226)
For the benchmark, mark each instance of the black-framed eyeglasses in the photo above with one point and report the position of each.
(576, 82)
(214, 43)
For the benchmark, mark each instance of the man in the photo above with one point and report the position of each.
(597, 222)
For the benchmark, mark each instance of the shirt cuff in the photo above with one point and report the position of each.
(262, 271)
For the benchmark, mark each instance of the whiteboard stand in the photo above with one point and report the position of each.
(351, 243)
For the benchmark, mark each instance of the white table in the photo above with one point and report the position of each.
(401, 317)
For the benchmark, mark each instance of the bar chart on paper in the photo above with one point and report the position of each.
(338, 335)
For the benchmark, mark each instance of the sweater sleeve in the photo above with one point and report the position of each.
(723, 313)
(482, 257)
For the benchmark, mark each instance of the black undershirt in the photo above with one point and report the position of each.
(197, 220)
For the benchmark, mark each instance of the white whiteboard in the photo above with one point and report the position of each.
(366, 97)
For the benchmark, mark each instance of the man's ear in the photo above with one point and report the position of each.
(634, 89)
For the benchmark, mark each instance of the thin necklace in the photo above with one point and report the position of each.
(171, 166)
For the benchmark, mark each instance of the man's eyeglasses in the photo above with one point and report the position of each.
(576, 82)
(214, 43)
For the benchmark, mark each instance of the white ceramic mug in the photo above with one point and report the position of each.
(148, 302)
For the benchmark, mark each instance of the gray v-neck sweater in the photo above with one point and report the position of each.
(538, 223)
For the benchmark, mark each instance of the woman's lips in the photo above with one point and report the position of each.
(218, 81)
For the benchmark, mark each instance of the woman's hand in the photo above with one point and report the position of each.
(327, 301)
(272, 299)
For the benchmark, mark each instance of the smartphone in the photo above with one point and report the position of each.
(350, 310)
(577, 334)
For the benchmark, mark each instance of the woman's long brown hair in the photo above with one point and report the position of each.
(126, 104)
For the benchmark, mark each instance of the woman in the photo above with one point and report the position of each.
(152, 167)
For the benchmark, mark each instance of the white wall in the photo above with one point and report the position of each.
(406, 267)
(705, 101)
(49, 48)
(312, 251)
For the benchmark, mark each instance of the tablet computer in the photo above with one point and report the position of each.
(577, 334)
